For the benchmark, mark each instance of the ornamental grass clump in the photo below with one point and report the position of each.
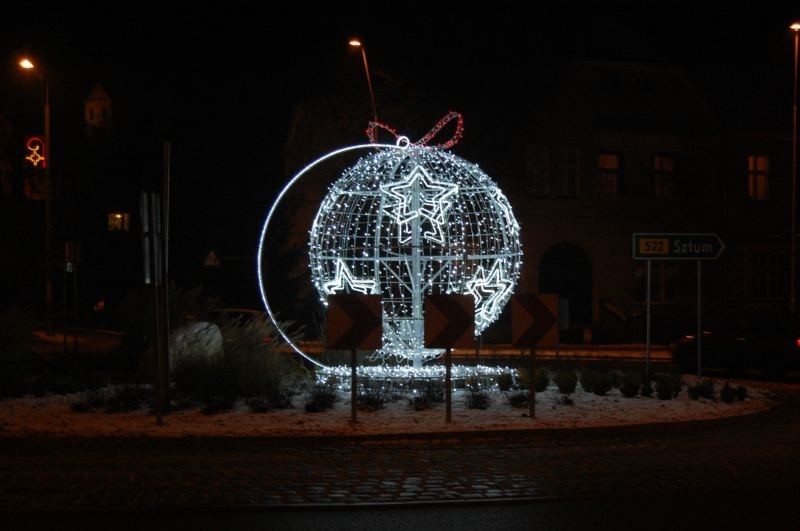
(596, 381)
(668, 386)
(320, 398)
(701, 389)
(477, 398)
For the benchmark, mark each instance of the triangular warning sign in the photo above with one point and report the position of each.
(211, 260)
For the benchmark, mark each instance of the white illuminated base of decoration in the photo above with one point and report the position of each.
(403, 377)
(405, 223)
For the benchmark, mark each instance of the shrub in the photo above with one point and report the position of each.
(542, 379)
(667, 386)
(727, 394)
(477, 398)
(647, 386)
(504, 381)
(258, 404)
(701, 389)
(114, 399)
(218, 404)
(321, 397)
(370, 399)
(566, 380)
(630, 383)
(741, 393)
(431, 392)
(519, 398)
(595, 381)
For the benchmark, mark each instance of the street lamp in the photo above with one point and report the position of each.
(26, 64)
(355, 43)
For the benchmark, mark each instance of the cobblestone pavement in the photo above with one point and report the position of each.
(102, 474)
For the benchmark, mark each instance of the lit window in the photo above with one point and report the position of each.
(758, 177)
(663, 176)
(607, 182)
(118, 221)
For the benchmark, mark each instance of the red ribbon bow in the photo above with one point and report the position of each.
(372, 131)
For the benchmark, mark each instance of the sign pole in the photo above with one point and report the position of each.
(353, 387)
(532, 385)
(699, 320)
(647, 345)
(448, 398)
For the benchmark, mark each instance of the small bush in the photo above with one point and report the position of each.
(542, 379)
(630, 383)
(476, 398)
(431, 393)
(258, 404)
(647, 386)
(373, 399)
(504, 381)
(114, 399)
(218, 404)
(519, 398)
(741, 393)
(566, 380)
(727, 394)
(564, 400)
(595, 381)
(616, 379)
(668, 386)
(322, 397)
(701, 389)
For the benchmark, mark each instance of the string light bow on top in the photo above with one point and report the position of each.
(372, 131)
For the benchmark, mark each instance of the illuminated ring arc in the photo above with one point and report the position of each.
(261, 284)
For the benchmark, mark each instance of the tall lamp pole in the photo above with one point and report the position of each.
(358, 44)
(793, 232)
(27, 64)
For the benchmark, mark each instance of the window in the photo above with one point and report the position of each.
(538, 170)
(570, 172)
(758, 177)
(608, 171)
(664, 176)
(770, 275)
(118, 221)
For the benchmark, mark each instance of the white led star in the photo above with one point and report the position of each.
(434, 200)
(344, 277)
(491, 290)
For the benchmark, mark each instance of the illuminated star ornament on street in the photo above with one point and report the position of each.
(406, 221)
(413, 221)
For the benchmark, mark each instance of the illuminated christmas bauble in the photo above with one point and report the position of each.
(405, 223)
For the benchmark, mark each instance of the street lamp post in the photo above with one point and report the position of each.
(27, 64)
(358, 44)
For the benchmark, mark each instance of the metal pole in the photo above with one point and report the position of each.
(369, 84)
(647, 346)
(48, 214)
(448, 397)
(699, 320)
(353, 387)
(793, 231)
(164, 288)
(532, 385)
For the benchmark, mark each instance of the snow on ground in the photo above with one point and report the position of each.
(52, 416)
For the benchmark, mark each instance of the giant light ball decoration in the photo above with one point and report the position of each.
(404, 223)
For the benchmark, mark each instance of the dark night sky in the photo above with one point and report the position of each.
(221, 81)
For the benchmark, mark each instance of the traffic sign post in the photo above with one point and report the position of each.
(354, 322)
(677, 246)
(534, 322)
(449, 323)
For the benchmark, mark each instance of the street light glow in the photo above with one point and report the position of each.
(795, 26)
(355, 43)
(26, 63)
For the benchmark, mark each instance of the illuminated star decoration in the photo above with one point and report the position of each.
(34, 144)
(435, 199)
(344, 277)
(491, 290)
(501, 203)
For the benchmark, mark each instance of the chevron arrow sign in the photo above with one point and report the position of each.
(354, 321)
(534, 321)
(449, 321)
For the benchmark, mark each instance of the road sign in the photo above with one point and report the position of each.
(660, 246)
(534, 320)
(354, 321)
(211, 260)
(449, 321)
